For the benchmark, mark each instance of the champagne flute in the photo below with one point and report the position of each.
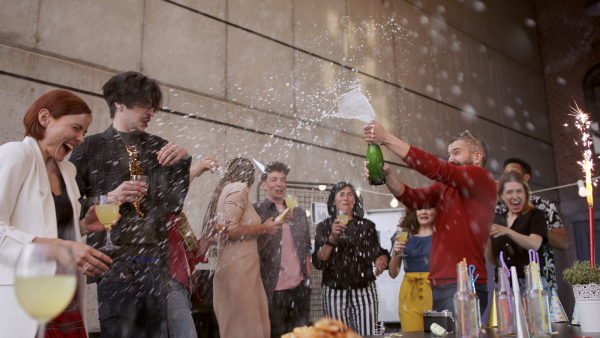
(291, 202)
(401, 236)
(45, 281)
(107, 211)
(344, 217)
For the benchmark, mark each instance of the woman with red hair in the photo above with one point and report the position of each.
(39, 203)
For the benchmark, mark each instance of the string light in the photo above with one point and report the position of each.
(582, 189)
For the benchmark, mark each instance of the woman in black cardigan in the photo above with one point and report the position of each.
(348, 284)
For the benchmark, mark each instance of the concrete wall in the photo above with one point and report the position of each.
(254, 78)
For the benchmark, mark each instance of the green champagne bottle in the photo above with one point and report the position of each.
(375, 165)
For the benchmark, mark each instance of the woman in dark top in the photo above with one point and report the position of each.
(521, 228)
(415, 292)
(348, 283)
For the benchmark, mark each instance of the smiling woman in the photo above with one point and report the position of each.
(39, 203)
(415, 292)
(521, 228)
(56, 104)
(348, 284)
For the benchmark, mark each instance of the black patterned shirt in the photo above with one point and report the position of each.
(552, 221)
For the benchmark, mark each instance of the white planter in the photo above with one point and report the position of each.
(587, 298)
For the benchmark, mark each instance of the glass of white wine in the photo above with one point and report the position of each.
(401, 236)
(220, 223)
(107, 211)
(291, 202)
(344, 217)
(45, 281)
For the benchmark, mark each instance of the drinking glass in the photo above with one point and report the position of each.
(107, 211)
(45, 281)
(291, 202)
(378, 329)
(401, 236)
(220, 223)
(140, 178)
(344, 217)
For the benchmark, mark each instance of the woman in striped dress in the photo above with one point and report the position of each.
(348, 284)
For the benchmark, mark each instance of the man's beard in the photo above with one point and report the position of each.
(461, 164)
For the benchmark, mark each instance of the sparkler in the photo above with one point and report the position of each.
(583, 123)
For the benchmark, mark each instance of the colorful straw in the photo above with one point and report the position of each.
(534, 261)
(505, 277)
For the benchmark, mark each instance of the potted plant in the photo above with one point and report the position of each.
(585, 281)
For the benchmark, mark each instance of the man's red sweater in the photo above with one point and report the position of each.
(464, 198)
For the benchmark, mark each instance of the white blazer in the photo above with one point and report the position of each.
(27, 211)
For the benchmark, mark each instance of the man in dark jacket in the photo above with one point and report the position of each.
(285, 258)
(132, 294)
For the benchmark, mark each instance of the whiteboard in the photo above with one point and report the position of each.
(388, 288)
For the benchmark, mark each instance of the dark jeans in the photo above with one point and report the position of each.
(132, 300)
(443, 297)
(289, 309)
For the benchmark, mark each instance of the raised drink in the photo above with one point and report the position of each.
(401, 236)
(107, 213)
(343, 218)
(291, 202)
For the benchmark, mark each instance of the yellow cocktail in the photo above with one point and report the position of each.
(401, 236)
(45, 297)
(290, 201)
(107, 214)
(343, 218)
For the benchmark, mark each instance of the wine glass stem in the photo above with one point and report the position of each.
(108, 241)
(41, 330)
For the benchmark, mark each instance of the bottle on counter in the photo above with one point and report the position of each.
(466, 306)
